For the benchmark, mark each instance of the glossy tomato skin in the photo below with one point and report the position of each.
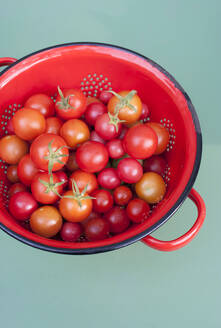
(12, 149)
(71, 164)
(108, 178)
(76, 99)
(145, 112)
(105, 129)
(39, 150)
(27, 170)
(62, 177)
(115, 148)
(118, 219)
(28, 123)
(74, 132)
(71, 231)
(93, 111)
(103, 200)
(129, 170)
(22, 204)
(151, 188)
(53, 125)
(163, 136)
(16, 187)
(84, 179)
(140, 141)
(97, 229)
(42, 103)
(46, 221)
(122, 195)
(105, 96)
(95, 137)
(137, 210)
(155, 163)
(12, 173)
(10, 128)
(92, 156)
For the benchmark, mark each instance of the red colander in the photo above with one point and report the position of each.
(94, 67)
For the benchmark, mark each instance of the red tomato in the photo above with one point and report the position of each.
(163, 136)
(155, 164)
(71, 164)
(105, 96)
(92, 156)
(12, 149)
(118, 219)
(140, 141)
(129, 170)
(83, 180)
(122, 195)
(10, 128)
(97, 229)
(108, 128)
(71, 231)
(93, 111)
(145, 112)
(108, 178)
(138, 210)
(22, 204)
(115, 148)
(16, 187)
(42, 103)
(91, 100)
(12, 173)
(123, 132)
(62, 177)
(95, 137)
(71, 103)
(42, 155)
(74, 132)
(53, 125)
(103, 200)
(27, 170)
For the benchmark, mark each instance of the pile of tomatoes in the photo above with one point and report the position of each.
(83, 168)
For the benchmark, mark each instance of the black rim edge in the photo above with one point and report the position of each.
(179, 202)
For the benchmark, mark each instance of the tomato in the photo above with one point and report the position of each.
(10, 128)
(71, 164)
(16, 187)
(22, 204)
(71, 103)
(71, 231)
(122, 195)
(140, 141)
(91, 100)
(123, 132)
(129, 105)
(92, 156)
(28, 123)
(95, 137)
(108, 178)
(49, 150)
(115, 148)
(73, 210)
(163, 136)
(118, 219)
(145, 112)
(62, 177)
(93, 111)
(138, 210)
(92, 215)
(42, 103)
(155, 163)
(103, 201)
(12, 173)
(12, 149)
(27, 170)
(46, 221)
(108, 127)
(105, 96)
(97, 229)
(46, 188)
(151, 188)
(129, 170)
(53, 125)
(74, 132)
(83, 180)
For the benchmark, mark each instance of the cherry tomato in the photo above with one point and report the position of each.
(16, 187)
(155, 164)
(72, 210)
(118, 219)
(71, 164)
(140, 141)
(91, 100)
(42, 103)
(10, 128)
(107, 128)
(92, 215)
(53, 125)
(138, 210)
(151, 188)
(93, 111)
(74, 132)
(92, 156)
(84, 179)
(97, 229)
(62, 177)
(105, 96)
(163, 136)
(115, 148)
(122, 195)
(71, 103)
(42, 156)
(22, 204)
(129, 170)
(12, 149)
(27, 170)
(145, 112)
(130, 106)
(71, 231)
(46, 221)
(123, 132)
(108, 178)
(103, 200)
(95, 137)
(28, 123)
(12, 173)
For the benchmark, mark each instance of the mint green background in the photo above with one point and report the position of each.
(134, 286)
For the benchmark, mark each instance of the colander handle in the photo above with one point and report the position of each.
(5, 61)
(188, 236)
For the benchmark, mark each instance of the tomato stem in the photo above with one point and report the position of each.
(64, 102)
(51, 186)
(77, 195)
(124, 101)
(53, 156)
